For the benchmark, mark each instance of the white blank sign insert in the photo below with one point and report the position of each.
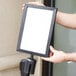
(36, 30)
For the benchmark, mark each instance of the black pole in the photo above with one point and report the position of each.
(52, 3)
(47, 68)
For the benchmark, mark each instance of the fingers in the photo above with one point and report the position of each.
(52, 49)
(46, 59)
(23, 6)
(50, 54)
(49, 59)
(36, 3)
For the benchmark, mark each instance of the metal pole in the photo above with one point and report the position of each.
(48, 67)
(52, 3)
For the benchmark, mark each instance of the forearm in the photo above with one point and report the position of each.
(66, 20)
(70, 57)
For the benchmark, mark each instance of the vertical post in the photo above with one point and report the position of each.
(52, 43)
(52, 3)
(47, 69)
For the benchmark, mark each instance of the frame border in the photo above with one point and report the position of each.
(22, 27)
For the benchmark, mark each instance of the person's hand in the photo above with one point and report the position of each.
(55, 56)
(34, 3)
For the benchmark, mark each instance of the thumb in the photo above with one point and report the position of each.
(52, 49)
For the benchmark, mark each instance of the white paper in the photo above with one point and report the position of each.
(36, 30)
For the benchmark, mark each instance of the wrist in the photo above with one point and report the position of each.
(58, 17)
(68, 57)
